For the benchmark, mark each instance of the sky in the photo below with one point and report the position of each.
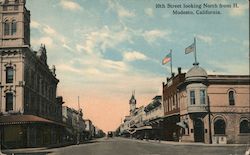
(105, 49)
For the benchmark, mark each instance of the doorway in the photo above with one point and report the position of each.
(198, 130)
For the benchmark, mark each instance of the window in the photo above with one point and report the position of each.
(13, 28)
(219, 127)
(9, 101)
(192, 97)
(9, 75)
(231, 98)
(6, 28)
(244, 126)
(202, 97)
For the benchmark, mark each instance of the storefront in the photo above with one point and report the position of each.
(19, 131)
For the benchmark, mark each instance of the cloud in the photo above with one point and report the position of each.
(98, 40)
(79, 48)
(149, 12)
(34, 24)
(48, 41)
(49, 36)
(153, 35)
(119, 9)
(70, 5)
(206, 39)
(227, 67)
(242, 8)
(134, 55)
(48, 30)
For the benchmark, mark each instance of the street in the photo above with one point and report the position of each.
(121, 146)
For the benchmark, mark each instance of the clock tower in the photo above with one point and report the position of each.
(132, 103)
(14, 23)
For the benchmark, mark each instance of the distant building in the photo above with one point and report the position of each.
(75, 125)
(30, 111)
(214, 108)
(89, 129)
(143, 122)
(153, 120)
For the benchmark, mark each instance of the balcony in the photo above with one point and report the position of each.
(197, 108)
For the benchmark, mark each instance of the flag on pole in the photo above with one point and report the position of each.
(190, 48)
(167, 58)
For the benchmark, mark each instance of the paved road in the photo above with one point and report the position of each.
(120, 146)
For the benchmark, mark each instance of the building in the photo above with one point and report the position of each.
(214, 108)
(143, 122)
(30, 111)
(89, 129)
(171, 104)
(153, 120)
(75, 125)
(133, 123)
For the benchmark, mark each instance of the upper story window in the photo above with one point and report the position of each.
(6, 28)
(9, 74)
(13, 27)
(192, 97)
(10, 28)
(231, 97)
(9, 101)
(202, 97)
(244, 126)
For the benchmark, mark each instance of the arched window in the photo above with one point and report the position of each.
(219, 127)
(244, 126)
(9, 101)
(231, 97)
(9, 74)
(13, 27)
(6, 28)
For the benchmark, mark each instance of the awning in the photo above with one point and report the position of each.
(182, 124)
(144, 128)
(25, 119)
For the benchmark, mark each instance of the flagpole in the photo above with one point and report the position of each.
(195, 57)
(171, 61)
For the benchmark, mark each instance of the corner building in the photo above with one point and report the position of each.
(214, 108)
(30, 111)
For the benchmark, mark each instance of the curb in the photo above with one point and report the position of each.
(190, 144)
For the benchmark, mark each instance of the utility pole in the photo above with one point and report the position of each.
(78, 121)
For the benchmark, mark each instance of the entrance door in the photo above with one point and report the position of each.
(198, 130)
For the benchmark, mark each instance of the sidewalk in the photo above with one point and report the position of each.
(39, 150)
(187, 143)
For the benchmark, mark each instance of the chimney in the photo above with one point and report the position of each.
(172, 74)
(179, 70)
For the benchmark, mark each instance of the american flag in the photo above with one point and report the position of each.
(166, 59)
(190, 48)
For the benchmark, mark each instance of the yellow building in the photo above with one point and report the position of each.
(214, 108)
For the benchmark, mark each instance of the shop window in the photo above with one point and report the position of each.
(9, 101)
(220, 127)
(202, 97)
(192, 97)
(244, 126)
(231, 97)
(9, 74)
